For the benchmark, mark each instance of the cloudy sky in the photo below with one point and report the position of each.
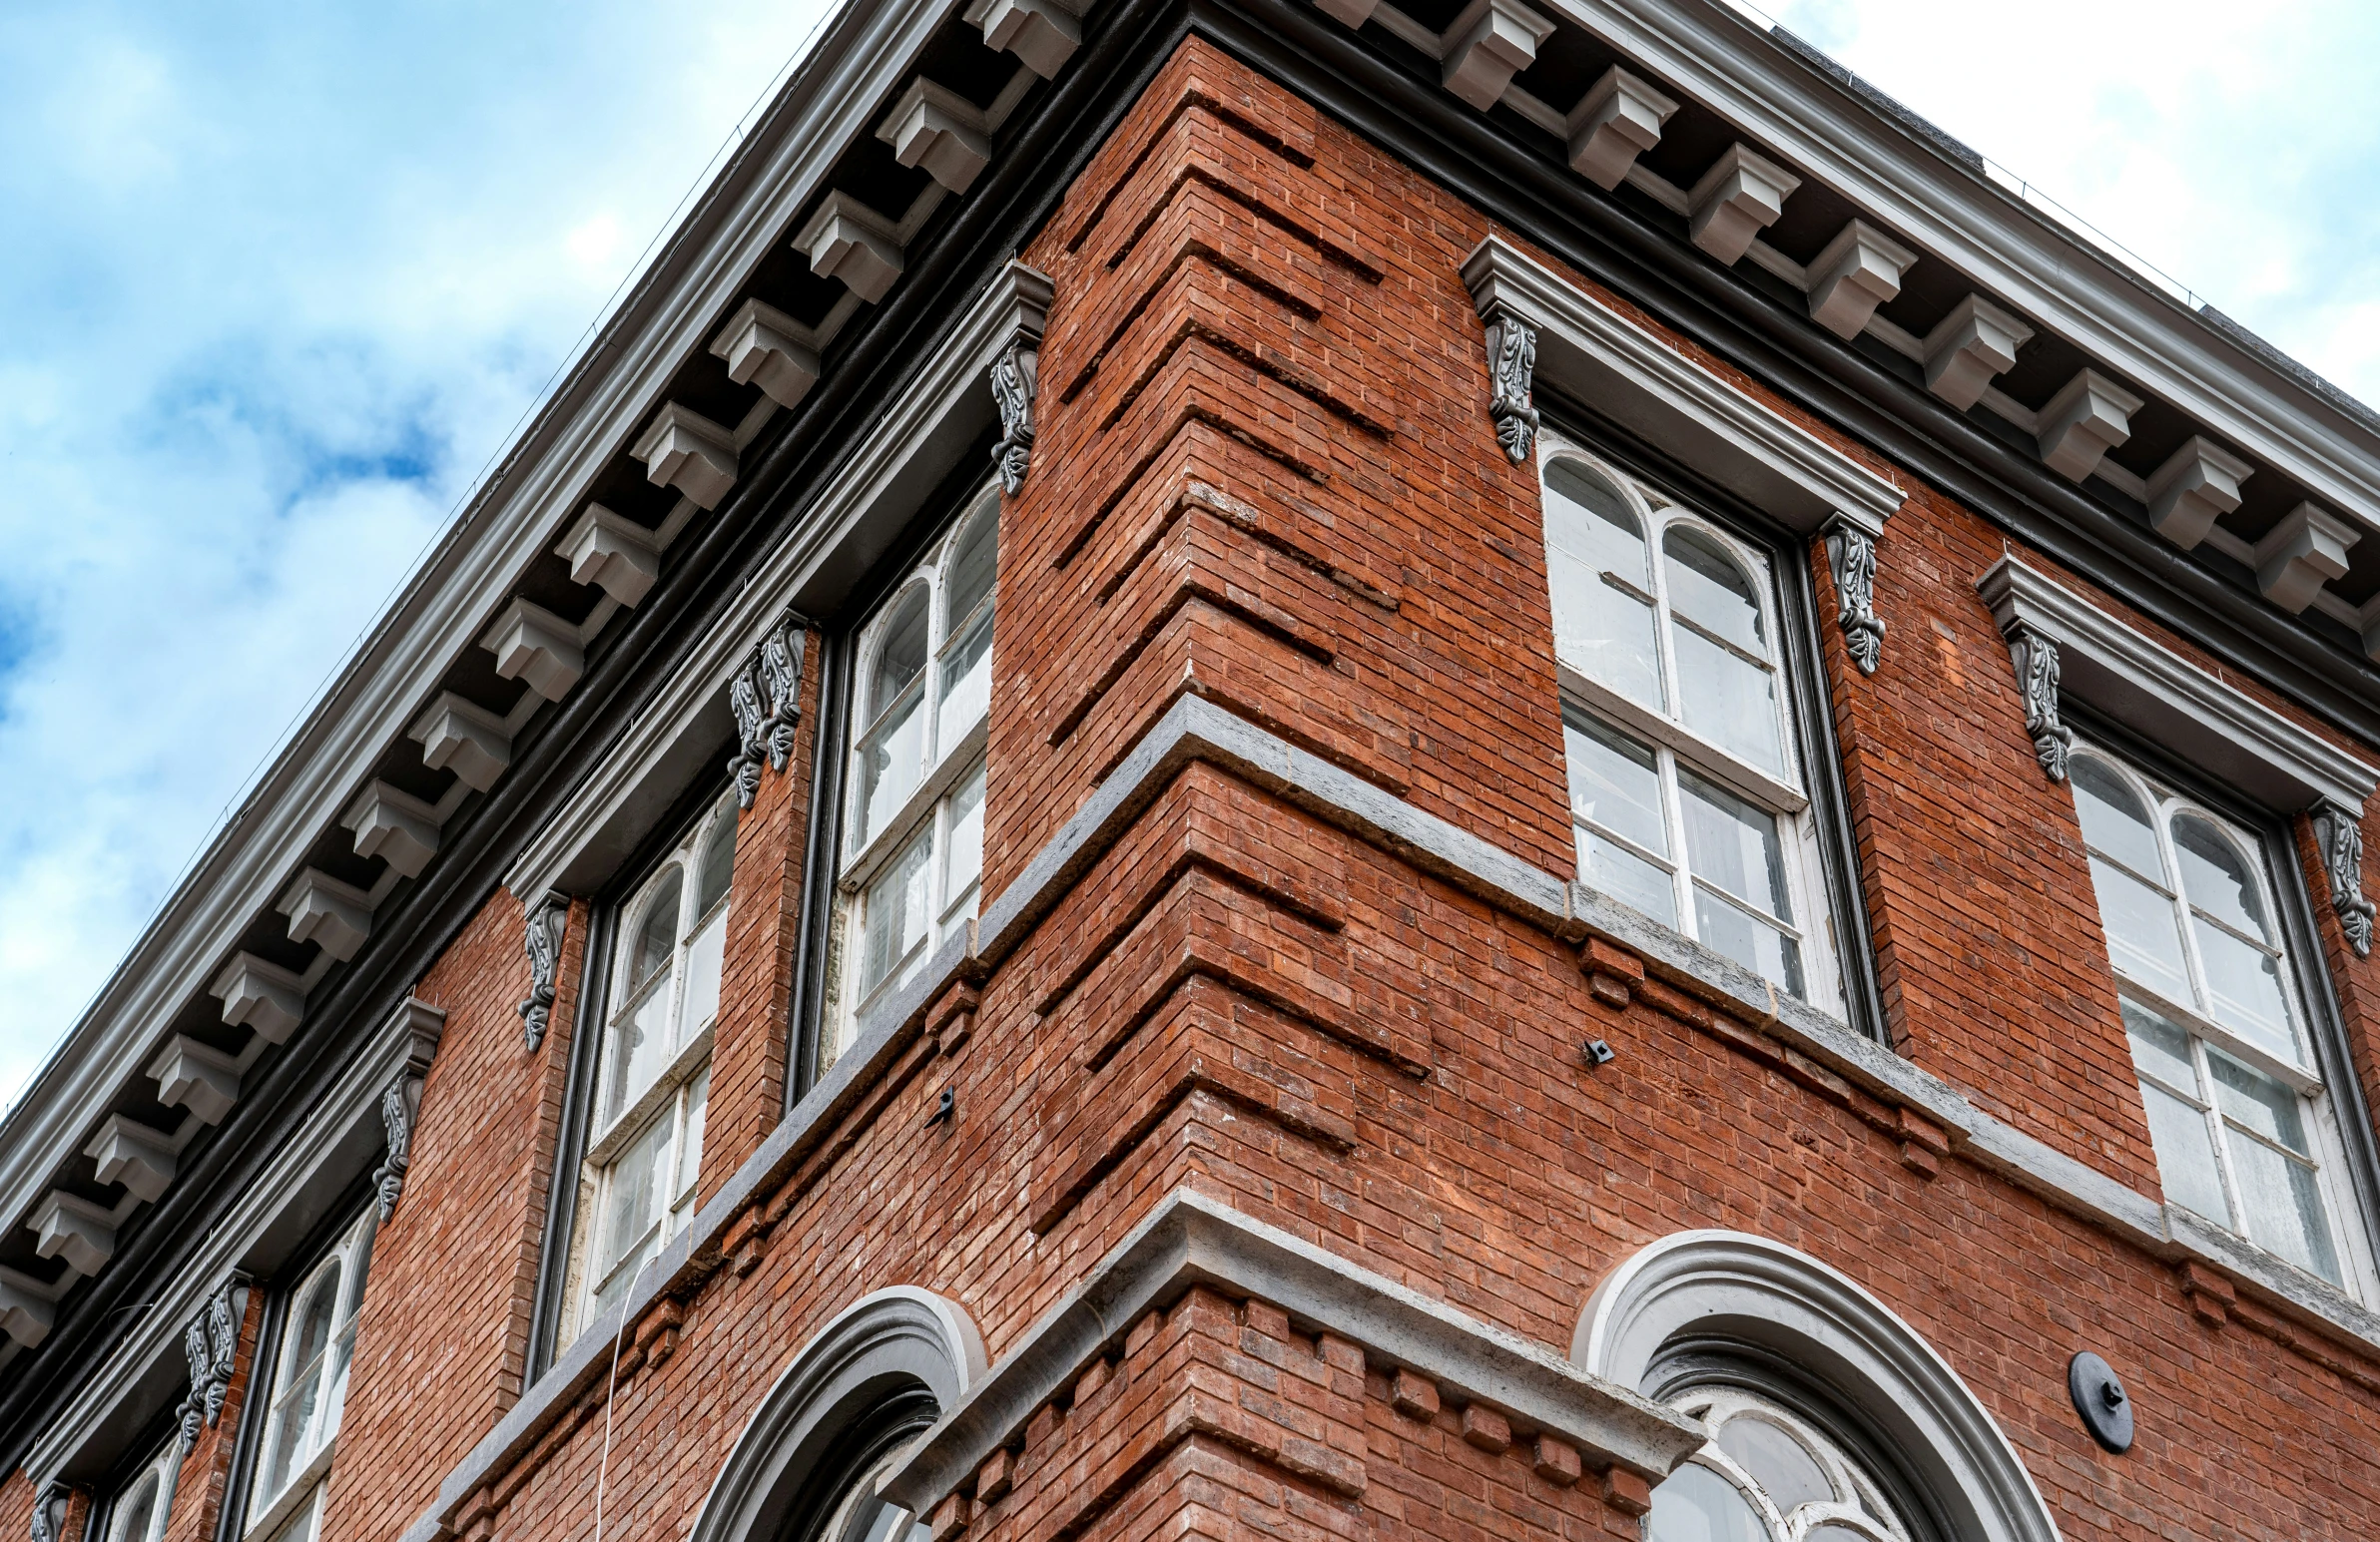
(277, 281)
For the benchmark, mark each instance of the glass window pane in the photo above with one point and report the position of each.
(2284, 1206)
(973, 566)
(639, 1048)
(895, 913)
(966, 684)
(2143, 941)
(2113, 818)
(900, 655)
(628, 1203)
(2246, 982)
(891, 763)
(718, 866)
(2185, 1154)
(690, 1150)
(1625, 877)
(1728, 700)
(1752, 942)
(1615, 782)
(1696, 1504)
(2159, 1049)
(2215, 877)
(704, 960)
(1706, 585)
(2257, 1101)
(315, 1318)
(1733, 844)
(1602, 631)
(962, 855)
(1780, 1465)
(138, 1514)
(657, 934)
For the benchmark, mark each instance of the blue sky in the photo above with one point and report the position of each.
(277, 280)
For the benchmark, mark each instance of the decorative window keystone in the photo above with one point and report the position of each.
(2090, 415)
(1618, 119)
(1851, 553)
(542, 940)
(1967, 348)
(1739, 197)
(2306, 550)
(849, 242)
(680, 448)
(1860, 270)
(1489, 43)
(2197, 485)
(1512, 376)
(2338, 831)
(940, 131)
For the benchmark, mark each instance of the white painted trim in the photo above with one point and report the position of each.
(1595, 354)
(2216, 726)
(1737, 1285)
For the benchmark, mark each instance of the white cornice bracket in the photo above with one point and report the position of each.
(849, 242)
(25, 1315)
(80, 1232)
(263, 997)
(1489, 43)
(764, 346)
(618, 556)
(2197, 485)
(1860, 270)
(2090, 415)
(335, 916)
(940, 131)
(1618, 119)
(395, 826)
(464, 738)
(1352, 13)
(680, 448)
(1739, 197)
(197, 1077)
(133, 1155)
(533, 644)
(1042, 33)
(2306, 550)
(1968, 347)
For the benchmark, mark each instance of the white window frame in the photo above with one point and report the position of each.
(953, 762)
(1677, 746)
(346, 1267)
(161, 1469)
(678, 1093)
(1859, 1502)
(2302, 1075)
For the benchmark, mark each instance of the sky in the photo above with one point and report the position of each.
(275, 282)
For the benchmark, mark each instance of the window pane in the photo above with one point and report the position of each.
(1734, 846)
(1615, 782)
(1748, 940)
(2257, 1101)
(1784, 1469)
(657, 935)
(690, 1150)
(138, 1512)
(962, 857)
(2114, 820)
(973, 566)
(1728, 700)
(891, 763)
(2158, 1048)
(2142, 939)
(897, 913)
(900, 655)
(1707, 586)
(628, 1207)
(2246, 982)
(703, 958)
(1695, 1504)
(2284, 1206)
(966, 684)
(718, 866)
(1601, 631)
(2215, 877)
(639, 1048)
(2185, 1154)
(1625, 877)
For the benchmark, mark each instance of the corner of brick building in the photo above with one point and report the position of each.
(444, 1326)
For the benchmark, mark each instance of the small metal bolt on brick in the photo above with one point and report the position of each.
(2099, 1398)
(943, 1110)
(1596, 1052)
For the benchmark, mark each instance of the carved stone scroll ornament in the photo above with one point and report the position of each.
(1511, 373)
(744, 766)
(2036, 659)
(1015, 381)
(49, 1511)
(543, 942)
(1851, 553)
(398, 1104)
(211, 1344)
(2340, 833)
(766, 696)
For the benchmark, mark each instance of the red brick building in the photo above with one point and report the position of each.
(1252, 769)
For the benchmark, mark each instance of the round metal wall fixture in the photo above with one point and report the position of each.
(2099, 1398)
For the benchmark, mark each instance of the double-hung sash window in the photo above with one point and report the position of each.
(912, 851)
(652, 1079)
(309, 1385)
(2212, 1006)
(1686, 792)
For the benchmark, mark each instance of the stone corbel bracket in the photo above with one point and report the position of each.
(2338, 831)
(1489, 43)
(400, 1101)
(2035, 658)
(545, 918)
(211, 1344)
(49, 1510)
(1014, 371)
(1851, 556)
(1512, 384)
(1192, 1241)
(1043, 33)
(764, 693)
(1618, 119)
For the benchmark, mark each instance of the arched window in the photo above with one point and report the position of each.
(913, 835)
(810, 1465)
(1687, 794)
(2244, 1132)
(138, 1510)
(652, 1074)
(1811, 1386)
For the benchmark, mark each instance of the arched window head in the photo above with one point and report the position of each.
(900, 653)
(1602, 584)
(1767, 1475)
